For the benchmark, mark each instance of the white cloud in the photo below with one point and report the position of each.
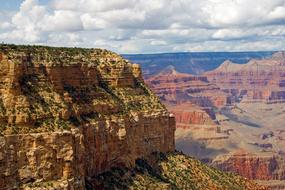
(24, 22)
(5, 25)
(90, 23)
(61, 20)
(93, 5)
(277, 13)
(66, 4)
(158, 43)
(148, 25)
(230, 34)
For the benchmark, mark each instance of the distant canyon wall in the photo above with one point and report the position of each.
(197, 101)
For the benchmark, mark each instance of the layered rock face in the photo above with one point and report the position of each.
(232, 108)
(190, 98)
(262, 167)
(258, 80)
(188, 114)
(67, 115)
(175, 88)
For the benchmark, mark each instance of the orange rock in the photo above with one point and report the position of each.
(175, 88)
(252, 166)
(68, 116)
(187, 114)
(258, 80)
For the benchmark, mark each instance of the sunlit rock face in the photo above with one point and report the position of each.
(258, 80)
(189, 114)
(190, 98)
(253, 166)
(176, 88)
(68, 114)
(231, 117)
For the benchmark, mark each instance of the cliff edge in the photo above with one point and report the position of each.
(74, 119)
(67, 114)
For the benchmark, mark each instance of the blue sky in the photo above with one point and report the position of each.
(10, 5)
(14, 5)
(146, 26)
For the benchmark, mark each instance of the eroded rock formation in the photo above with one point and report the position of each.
(234, 107)
(190, 114)
(175, 88)
(69, 114)
(253, 166)
(192, 99)
(258, 80)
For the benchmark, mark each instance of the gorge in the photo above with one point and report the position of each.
(74, 118)
(231, 117)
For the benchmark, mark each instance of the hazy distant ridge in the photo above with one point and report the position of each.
(193, 63)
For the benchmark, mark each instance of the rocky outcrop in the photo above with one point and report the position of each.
(228, 109)
(190, 98)
(253, 166)
(188, 114)
(68, 114)
(258, 80)
(175, 88)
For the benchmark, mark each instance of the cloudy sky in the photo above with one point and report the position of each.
(146, 26)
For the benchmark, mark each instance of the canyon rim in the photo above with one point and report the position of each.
(142, 94)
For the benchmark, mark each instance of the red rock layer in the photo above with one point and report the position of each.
(253, 166)
(176, 88)
(187, 114)
(258, 80)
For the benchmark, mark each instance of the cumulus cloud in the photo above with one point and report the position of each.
(138, 26)
(61, 20)
(158, 43)
(5, 25)
(91, 23)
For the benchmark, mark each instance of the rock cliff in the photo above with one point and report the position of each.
(253, 166)
(68, 114)
(258, 80)
(187, 115)
(74, 119)
(234, 107)
(175, 88)
(192, 99)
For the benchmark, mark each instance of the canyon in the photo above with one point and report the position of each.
(258, 80)
(75, 118)
(231, 117)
